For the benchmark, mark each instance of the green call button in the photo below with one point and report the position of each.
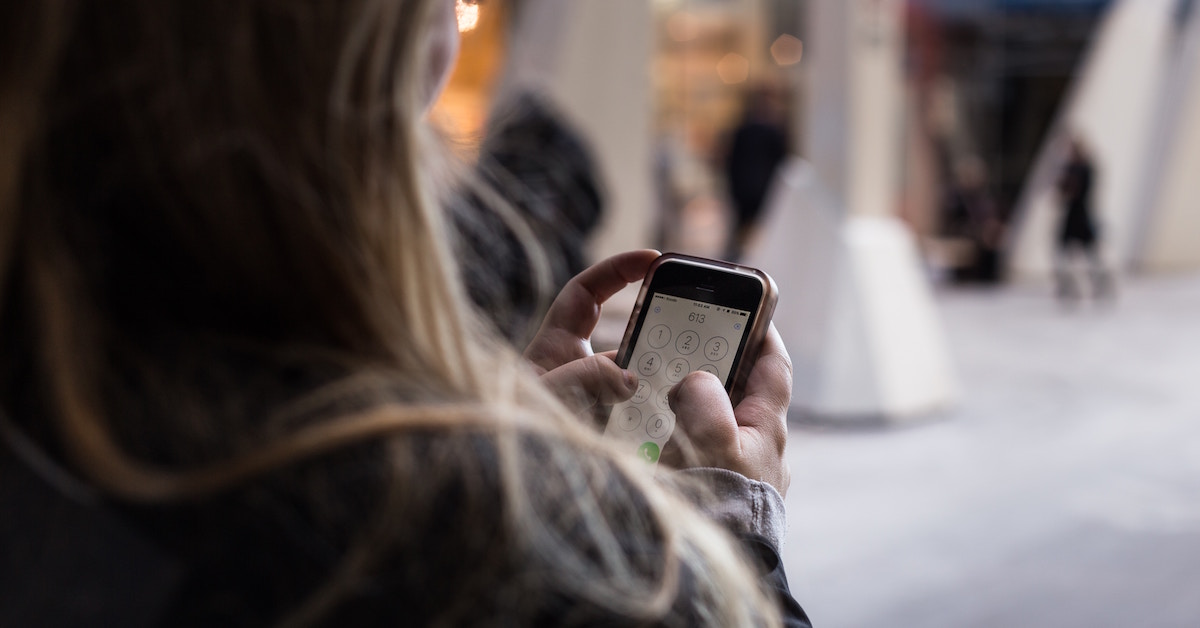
(648, 452)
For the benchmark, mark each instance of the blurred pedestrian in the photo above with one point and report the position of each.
(1078, 232)
(970, 215)
(757, 146)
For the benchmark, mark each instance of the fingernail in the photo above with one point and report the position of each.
(673, 396)
(631, 380)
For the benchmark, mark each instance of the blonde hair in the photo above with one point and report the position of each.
(224, 256)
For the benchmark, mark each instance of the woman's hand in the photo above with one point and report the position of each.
(561, 351)
(749, 439)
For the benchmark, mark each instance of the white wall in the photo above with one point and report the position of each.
(1172, 234)
(602, 79)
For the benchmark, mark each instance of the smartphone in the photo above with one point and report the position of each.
(692, 314)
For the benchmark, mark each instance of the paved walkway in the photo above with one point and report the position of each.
(1064, 491)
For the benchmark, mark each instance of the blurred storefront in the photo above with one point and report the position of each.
(987, 79)
(463, 106)
(710, 57)
(928, 118)
(984, 83)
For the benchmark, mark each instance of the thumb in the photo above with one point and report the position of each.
(591, 381)
(704, 414)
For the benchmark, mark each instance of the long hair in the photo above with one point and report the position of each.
(223, 255)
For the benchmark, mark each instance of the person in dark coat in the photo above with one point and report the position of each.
(756, 149)
(1078, 231)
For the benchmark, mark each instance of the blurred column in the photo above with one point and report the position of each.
(855, 306)
(593, 57)
(856, 99)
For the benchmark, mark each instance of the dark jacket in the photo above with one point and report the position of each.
(68, 558)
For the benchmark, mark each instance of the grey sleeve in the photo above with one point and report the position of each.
(741, 505)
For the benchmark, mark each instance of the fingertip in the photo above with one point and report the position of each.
(694, 386)
(644, 253)
(632, 265)
(631, 380)
(677, 394)
(673, 397)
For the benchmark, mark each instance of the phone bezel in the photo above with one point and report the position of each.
(710, 281)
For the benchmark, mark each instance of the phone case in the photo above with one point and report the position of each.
(755, 336)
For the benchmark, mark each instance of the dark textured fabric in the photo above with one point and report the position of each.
(771, 568)
(66, 563)
(536, 162)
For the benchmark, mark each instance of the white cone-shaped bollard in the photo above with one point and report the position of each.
(855, 309)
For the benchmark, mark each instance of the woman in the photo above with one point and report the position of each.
(234, 339)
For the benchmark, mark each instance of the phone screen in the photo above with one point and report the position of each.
(677, 335)
(688, 335)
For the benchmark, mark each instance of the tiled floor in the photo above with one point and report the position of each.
(1063, 491)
